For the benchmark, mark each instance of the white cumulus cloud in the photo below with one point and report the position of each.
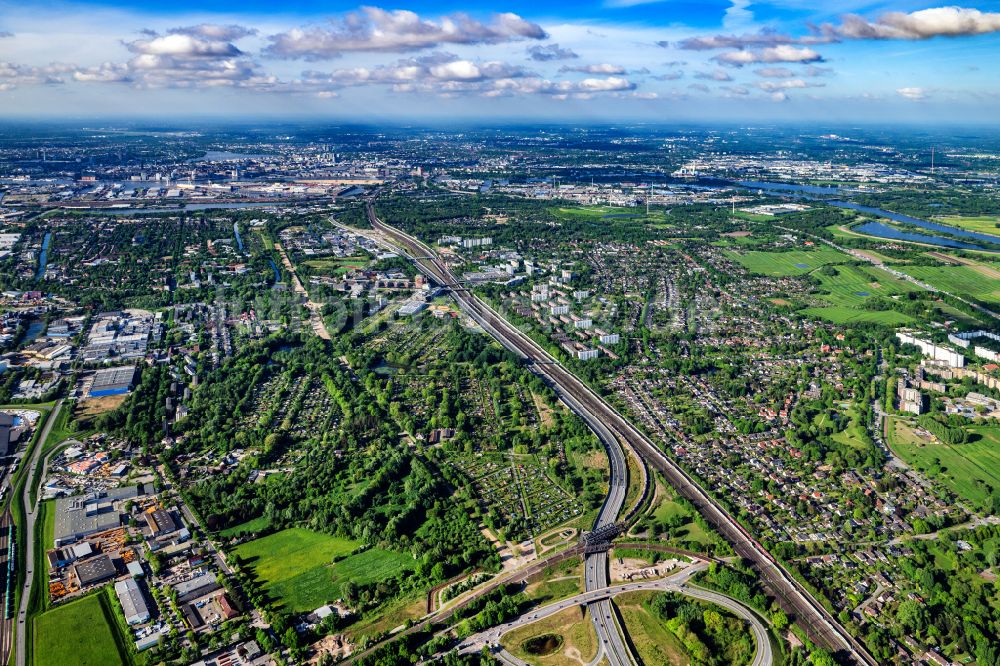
(924, 24)
(375, 29)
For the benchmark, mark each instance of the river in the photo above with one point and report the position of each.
(917, 222)
(35, 329)
(881, 229)
(888, 231)
(236, 232)
(788, 187)
(43, 258)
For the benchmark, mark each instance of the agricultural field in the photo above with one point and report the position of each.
(88, 630)
(853, 285)
(965, 469)
(983, 224)
(793, 262)
(566, 637)
(847, 315)
(297, 566)
(958, 280)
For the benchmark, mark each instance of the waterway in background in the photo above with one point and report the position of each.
(277, 273)
(185, 209)
(917, 222)
(788, 187)
(227, 156)
(886, 231)
(880, 229)
(43, 258)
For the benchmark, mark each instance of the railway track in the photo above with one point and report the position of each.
(820, 625)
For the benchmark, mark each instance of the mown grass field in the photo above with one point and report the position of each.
(983, 224)
(297, 569)
(958, 280)
(853, 435)
(294, 565)
(572, 626)
(690, 535)
(793, 262)
(965, 469)
(78, 633)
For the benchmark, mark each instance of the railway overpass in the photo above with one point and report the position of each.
(820, 625)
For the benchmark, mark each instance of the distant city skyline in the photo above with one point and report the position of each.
(616, 60)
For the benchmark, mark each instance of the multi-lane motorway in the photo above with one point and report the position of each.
(602, 613)
(819, 624)
(31, 514)
(590, 598)
(764, 655)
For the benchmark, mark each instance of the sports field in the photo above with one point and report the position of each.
(78, 633)
(793, 262)
(297, 569)
(958, 280)
(965, 469)
(847, 291)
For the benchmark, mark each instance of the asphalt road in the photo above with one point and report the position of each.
(818, 623)
(764, 656)
(31, 513)
(602, 614)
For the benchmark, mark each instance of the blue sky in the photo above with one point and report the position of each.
(725, 60)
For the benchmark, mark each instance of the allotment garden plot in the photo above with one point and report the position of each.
(516, 493)
(299, 406)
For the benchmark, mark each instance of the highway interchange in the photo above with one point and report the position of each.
(822, 628)
(675, 583)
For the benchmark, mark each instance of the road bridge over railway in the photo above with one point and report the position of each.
(610, 426)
